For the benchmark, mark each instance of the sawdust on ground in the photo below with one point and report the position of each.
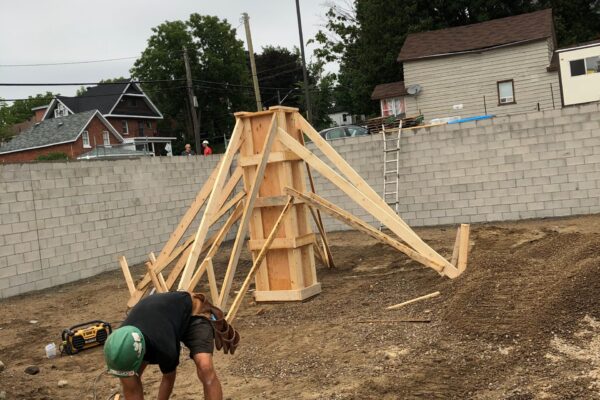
(523, 322)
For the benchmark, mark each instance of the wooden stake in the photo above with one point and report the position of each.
(463, 251)
(127, 275)
(248, 207)
(427, 296)
(257, 262)
(211, 206)
(155, 281)
(454, 258)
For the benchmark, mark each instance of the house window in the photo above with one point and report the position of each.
(149, 124)
(141, 129)
(106, 138)
(392, 106)
(60, 111)
(125, 128)
(86, 139)
(584, 66)
(506, 92)
(344, 116)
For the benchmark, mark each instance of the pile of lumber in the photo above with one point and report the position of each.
(376, 125)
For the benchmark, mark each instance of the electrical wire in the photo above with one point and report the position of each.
(88, 83)
(67, 62)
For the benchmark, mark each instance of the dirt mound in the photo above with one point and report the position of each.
(521, 323)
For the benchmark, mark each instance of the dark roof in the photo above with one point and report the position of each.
(387, 90)
(503, 31)
(50, 132)
(102, 98)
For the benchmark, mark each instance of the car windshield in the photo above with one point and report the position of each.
(336, 133)
(357, 131)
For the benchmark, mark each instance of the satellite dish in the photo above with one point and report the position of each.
(413, 89)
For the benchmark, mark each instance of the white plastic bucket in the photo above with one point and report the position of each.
(50, 350)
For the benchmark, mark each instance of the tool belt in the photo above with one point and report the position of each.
(226, 337)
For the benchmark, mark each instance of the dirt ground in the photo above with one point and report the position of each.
(523, 322)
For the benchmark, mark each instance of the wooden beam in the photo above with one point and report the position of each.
(273, 201)
(212, 251)
(248, 207)
(427, 296)
(154, 278)
(463, 251)
(454, 258)
(349, 219)
(257, 262)
(212, 281)
(211, 206)
(402, 231)
(276, 156)
(283, 243)
(354, 178)
(127, 275)
(176, 271)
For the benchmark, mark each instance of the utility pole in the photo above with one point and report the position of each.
(193, 102)
(252, 63)
(306, 91)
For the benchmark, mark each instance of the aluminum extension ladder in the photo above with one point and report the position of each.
(391, 167)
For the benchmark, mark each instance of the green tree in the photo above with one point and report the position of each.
(278, 67)
(217, 58)
(365, 36)
(19, 111)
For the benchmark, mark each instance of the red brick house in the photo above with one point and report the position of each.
(124, 105)
(73, 135)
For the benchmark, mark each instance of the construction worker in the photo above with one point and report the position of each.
(188, 150)
(206, 147)
(152, 334)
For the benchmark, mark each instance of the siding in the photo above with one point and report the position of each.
(465, 79)
(582, 88)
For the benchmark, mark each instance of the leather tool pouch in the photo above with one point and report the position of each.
(226, 337)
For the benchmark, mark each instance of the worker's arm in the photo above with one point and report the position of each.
(132, 388)
(166, 385)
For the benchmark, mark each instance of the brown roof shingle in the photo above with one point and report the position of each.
(519, 28)
(387, 90)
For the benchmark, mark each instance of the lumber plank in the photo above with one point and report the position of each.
(349, 219)
(248, 207)
(257, 262)
(284, 243)
(288, 295)
(402, 231)
(127, 275)
(276, 156)
(273, 201)
(212, 251)
(454, 258)
(176, 271)
(211, 206)
(400, 305)
(154, 278)
(212, 281)
(463, 251)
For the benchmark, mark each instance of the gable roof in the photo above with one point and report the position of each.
(388, 90)
(55, 131)
(481, 36)
(104, 98)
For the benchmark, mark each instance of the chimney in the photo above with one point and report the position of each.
(38, 112)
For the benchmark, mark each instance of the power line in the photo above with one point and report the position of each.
(68, 62)
(87, 83)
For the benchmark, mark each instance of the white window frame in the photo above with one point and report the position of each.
(509, 99)
(397, 106)
(125, 127)
(85, 136)
(60, 110)
(589, 69)
(106, 138)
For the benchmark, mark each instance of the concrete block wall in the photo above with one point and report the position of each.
(60, 222)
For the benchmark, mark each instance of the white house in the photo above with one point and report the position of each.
(579, 71)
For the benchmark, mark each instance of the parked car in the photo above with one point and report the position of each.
(343, 131)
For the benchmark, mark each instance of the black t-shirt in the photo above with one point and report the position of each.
(163, 319)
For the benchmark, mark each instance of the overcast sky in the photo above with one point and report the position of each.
(35, 31)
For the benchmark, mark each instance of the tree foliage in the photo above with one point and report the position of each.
(278, 67)
(19, 111)
(216, 57)
(365, 36)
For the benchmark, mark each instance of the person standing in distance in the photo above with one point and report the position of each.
(207, 150)
(188, 150)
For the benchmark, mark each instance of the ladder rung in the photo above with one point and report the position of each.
(395, 171)
(386, 193)
(394, 160)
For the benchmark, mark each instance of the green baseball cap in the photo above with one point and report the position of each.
(124, 351)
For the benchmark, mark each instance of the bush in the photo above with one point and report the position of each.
(52, 157)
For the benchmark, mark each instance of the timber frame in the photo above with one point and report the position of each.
(274, 208)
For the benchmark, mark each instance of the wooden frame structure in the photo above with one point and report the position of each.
(274, 208)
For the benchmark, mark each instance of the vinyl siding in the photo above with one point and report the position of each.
(466, 78)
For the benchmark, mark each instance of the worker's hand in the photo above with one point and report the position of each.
(166, 385)
(132, 388)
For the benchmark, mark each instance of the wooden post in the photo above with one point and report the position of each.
(127, 275)
(463, 251)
